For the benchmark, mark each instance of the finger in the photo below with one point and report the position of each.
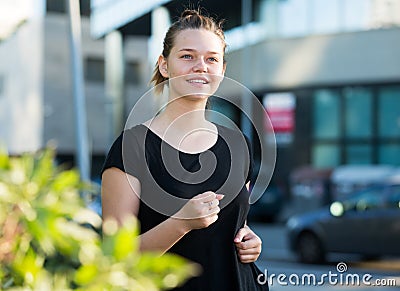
(248, 259)
(214, 218)
(220, 196)
(206, 196)
(253, 251)
(212, 204)
(214, 210)
(210, 208)
(248, 244)
(250, 235)
(211, 218)
(240, 235)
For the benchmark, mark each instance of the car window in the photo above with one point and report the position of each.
(371, 198)
(393, 200)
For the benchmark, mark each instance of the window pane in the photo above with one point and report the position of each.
(358, 154)
(132, 73)
(60, 6)
(56, 6)
(358, 102)
(389, 154)
(94, 70)
(324, 156)
(326, 114)
(389, 112)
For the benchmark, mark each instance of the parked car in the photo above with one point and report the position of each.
(367, 222)
(312, 188)
(346, 179)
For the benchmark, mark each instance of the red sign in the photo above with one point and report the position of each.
(280, 110)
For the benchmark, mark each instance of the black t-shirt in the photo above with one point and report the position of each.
(170, 177)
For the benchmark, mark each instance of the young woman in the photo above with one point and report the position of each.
(195, 204)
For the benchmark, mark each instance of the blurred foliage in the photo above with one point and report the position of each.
(50, 241)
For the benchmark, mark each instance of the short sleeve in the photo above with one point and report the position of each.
(114, 156)
(124, 154)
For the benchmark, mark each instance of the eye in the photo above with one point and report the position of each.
(188, 57)
(213, 59)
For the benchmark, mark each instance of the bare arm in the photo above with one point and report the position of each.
(121, 199)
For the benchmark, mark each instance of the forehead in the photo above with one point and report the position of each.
(198, 39)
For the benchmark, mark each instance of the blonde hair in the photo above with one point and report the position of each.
(189, 19)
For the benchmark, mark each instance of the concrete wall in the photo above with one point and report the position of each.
(348, 58)
(21, 68)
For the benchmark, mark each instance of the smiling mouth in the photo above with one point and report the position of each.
(198, 81)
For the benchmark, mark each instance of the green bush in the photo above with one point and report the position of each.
(49, 239)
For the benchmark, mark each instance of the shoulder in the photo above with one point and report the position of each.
(127, 135)
(125, 152)
(136, 131)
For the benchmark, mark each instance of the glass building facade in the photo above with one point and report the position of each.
(356, 125)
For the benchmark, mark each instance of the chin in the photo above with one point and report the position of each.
(195, 94)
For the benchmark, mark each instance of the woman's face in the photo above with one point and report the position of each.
(195, 66)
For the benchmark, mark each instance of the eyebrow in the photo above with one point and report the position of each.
(193, 50)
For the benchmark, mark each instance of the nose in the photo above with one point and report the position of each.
(200, 66)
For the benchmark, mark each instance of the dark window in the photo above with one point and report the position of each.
(326, 114)
(326, 128)
(359, 154)
(389, 112)
(132, 73)
(389, 153)
(94, 70)
(389, 125)
(59, 6)
(358, 106)
(356, 125)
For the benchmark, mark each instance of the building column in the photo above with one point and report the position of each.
(114, 81)
(160, 22)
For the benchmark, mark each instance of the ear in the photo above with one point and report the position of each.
(163, 66)
(224, 69)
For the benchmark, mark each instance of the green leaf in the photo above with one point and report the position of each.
(65, 181)
(4, 160)
(29, 266)
(53, 247)
(86, 274)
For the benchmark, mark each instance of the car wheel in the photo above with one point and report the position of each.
(309, 248)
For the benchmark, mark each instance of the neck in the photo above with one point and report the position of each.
(184, 114)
